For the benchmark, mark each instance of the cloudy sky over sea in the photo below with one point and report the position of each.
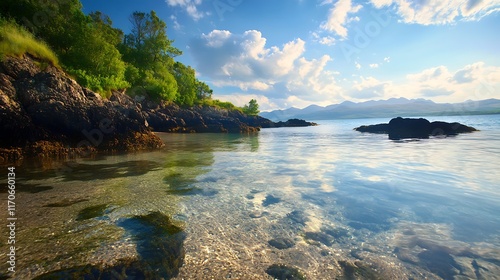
(288, 53)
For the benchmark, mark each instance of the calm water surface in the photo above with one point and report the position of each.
(329, 201)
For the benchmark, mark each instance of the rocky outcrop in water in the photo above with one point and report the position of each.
(294, 123)
(402, 128)
(45, 113)
(172, 118)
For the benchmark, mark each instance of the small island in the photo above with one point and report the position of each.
(404, 128)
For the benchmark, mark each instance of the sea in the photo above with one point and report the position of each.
(320, 202)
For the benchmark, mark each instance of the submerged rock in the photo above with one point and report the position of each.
(283, 272)
(160, 243)
(270, 199)
(403, 128)
(358, 270)
(440, 263)
(315, 237)
(160, 248)
(297, 217)
(92, 212)
(281, 243)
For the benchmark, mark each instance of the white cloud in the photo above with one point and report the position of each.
(440, 12)
(338, 17)
(309, 83)
(357, 65)
(324, 40)
(328, 40)
(472, 82)
(177, 25)
(387, 59)
(369, 88)
(241, 99)
(246, 62)
(374, 65)
(381, 3)
(190, 6)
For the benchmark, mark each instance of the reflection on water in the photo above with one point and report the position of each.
(321, 202)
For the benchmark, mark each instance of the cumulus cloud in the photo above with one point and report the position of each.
(177, 25)
(339, 16)
(374, 65)
(246, 62)
(324, 40)
(475, 81)
(472, 82)
(189, 5)
(468, 74)
(369, 88)
(242, 98)
(327, 40)
(440, 12)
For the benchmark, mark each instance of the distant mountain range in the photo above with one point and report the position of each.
(393, 107)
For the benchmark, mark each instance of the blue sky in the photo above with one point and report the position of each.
(288, 53)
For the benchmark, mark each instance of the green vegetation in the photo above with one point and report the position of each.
(104, 58)
(220, 104)
(17, 41)
(252, 108)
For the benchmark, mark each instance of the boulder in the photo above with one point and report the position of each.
(294, 123)
(404, 128)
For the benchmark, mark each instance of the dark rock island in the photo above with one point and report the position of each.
(403, 128)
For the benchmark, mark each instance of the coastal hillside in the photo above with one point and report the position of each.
(75, 85)
(44, 112)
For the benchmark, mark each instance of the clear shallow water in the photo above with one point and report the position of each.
(348, 204)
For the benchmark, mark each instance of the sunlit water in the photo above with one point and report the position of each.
(347, 204)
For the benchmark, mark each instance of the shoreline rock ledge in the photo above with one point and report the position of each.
(44, 113)
(405, 128)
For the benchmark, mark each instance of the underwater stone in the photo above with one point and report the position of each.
(281, 243)
(91, 212)
(320, 237)
(297, 217)
(283, 272)
(270, 199)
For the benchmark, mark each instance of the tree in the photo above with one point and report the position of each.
(252, 108)
(148, 42)
(203, 91)
(150, 53)
(186, 82)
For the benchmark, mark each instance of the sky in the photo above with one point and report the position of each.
(294, 53)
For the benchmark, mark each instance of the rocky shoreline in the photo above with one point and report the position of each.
(44, 113)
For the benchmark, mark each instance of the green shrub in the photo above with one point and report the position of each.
(252, 108)
(219, 104)
(101, 84)
(160, 87)
(17, 41)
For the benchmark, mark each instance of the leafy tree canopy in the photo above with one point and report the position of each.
(103, 58)
(252, 108)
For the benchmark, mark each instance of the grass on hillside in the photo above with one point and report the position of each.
(220, 104)
(17, 41)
